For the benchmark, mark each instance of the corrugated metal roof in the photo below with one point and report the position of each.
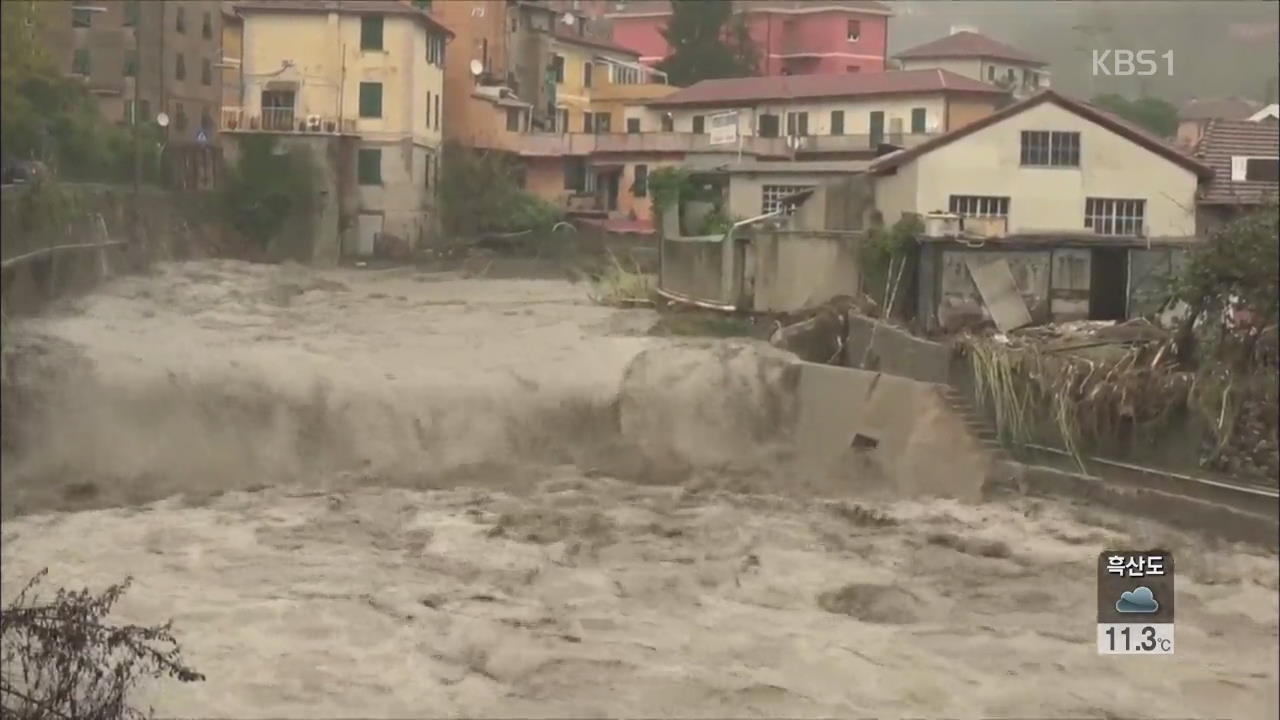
(969, 44)
(1223, 139)
(794, 87)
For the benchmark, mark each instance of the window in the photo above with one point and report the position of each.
(798, 123)
(919, 120)
(435, 50)
(991, 73)
(484, 54)
(428, 109)
(699, 124)
(130, 63)
(206, 120)
(668, 122)
(179, 117)
(370, 100)
(426, 170)
(854, 31)
(575, 173)
(437, 111)
(640, 187)
(80, 62)
(131, 13)
(1030, 78)
(369, 166)
(180, 20)
(979, 206)
(206, 72)
(562, 120)
(1108, 216)
(876, 124)
(513, 119)
(515, 23)
(81, 17)
(1043, 148)
(180, 67)
(1253, 169)
(206, 26)
(837, 122)
(557, 68)
(771, 196)
(604, 122)
(768, 125)
(633, 125)
(370, 32)
(143, 111)
(586, 74)
(587, 124)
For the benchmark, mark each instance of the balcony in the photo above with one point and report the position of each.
(282, 120)
(864, 143)
(553, 144)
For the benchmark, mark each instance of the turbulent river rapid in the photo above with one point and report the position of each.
(404, 494)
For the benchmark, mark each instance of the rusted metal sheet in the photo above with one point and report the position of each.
(1000, 293)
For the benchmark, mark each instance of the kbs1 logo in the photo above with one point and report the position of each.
(1128, 63)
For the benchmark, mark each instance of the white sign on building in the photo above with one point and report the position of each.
(723, 128)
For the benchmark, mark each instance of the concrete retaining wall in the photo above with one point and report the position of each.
(896, 351)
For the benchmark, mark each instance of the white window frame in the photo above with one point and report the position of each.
(979, 206)
(1123, 217)
(771, 196)
(1053, 149)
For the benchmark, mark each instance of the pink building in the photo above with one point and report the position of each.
(795, 37)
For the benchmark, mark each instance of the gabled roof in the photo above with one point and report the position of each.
(793, 87)
(383, 7)
(1217, 109)
(969, 44)
(1224, 139)
(1096, 115)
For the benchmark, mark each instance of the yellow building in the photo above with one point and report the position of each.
(371, 72)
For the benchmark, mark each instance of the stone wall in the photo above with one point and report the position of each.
(170, 226)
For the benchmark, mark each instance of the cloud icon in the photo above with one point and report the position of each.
(1138, 600)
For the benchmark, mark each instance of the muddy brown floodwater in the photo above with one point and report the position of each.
(393, 494)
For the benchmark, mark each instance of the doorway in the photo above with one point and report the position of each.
(368, 228)
(1109, 284)
(611, 185)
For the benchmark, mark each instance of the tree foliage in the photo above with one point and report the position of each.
(1152, 114)
(707, 42)
(53, 118)
(265, 188)
(483, 194)
(61, 659)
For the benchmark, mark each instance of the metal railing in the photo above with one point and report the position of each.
(282, 119)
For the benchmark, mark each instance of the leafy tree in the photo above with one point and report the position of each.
(1152, 114)
(265, 188)
(707, 42)
(483, 195)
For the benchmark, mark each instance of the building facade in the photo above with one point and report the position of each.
(1244, 155)
(144, 58)
(793, 37)
(367, 75)
(1082, 206)
(976, 56)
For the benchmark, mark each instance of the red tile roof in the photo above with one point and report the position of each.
(1089, 112)
(1218, 108)
(969, 44)
(1221, 140)
(569, 36)
(795, 87)
(387, 7)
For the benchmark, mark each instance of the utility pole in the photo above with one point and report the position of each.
(137, 124)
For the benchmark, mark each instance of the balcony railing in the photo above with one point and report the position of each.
(278, 119)
(856, 143)
(556, 144)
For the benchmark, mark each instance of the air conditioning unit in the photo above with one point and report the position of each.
(941, 225)
(313, 123)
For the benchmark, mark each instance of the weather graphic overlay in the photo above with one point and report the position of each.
(1135, 602)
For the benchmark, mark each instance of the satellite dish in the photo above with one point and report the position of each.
(567, 18)
(162, 120)
(476, 68)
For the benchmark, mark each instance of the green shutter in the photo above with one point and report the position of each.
(370, 100)
(918, 117)
(369, 171)
(371, 32)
